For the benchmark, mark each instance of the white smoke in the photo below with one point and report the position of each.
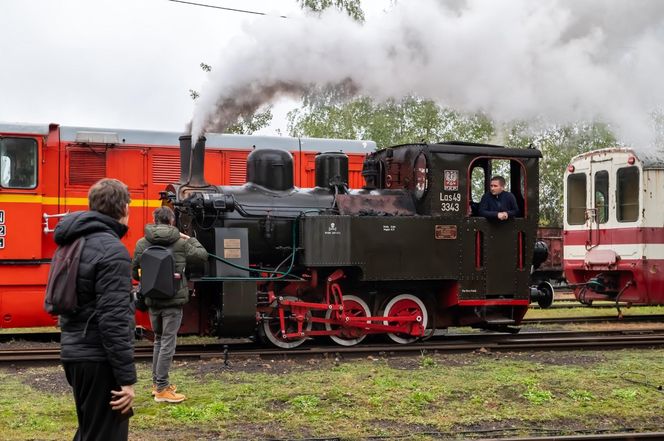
(561, 61)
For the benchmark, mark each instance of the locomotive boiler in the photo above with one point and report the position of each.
(404, 256)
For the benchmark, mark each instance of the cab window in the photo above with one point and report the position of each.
(481, 172)
(576, 199)
(18, 163)
(602, 196)
(627, 194)
(477, 188)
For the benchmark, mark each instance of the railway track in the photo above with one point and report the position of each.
(55, 336)
(626, 436)
(594, 319)
(637, 318)
(571, 303)
(531, 341)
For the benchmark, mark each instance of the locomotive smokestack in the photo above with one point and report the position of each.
(197, 178)
(185, 158)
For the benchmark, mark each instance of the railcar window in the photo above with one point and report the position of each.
(576, 199)
(602, 196)
(18, 163)
(628, 194)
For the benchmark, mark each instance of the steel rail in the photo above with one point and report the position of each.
(624, 436)
(535, 341)
(595, 319)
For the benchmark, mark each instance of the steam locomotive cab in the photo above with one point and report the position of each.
(404, 256)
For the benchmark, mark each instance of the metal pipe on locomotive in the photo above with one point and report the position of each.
(404, 256)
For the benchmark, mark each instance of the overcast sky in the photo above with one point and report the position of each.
(114, 63)
(131, 63)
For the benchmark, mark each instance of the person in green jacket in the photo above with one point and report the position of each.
(166, 314)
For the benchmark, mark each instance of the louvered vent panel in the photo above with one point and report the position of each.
(238, 171)
(86, 167)
(165, 169)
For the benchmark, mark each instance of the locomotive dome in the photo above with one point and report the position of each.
(270, 168)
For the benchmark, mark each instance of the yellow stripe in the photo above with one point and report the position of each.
(47, 200)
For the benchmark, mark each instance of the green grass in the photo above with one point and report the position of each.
(367, 397)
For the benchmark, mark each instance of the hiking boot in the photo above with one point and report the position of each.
(168, 396)
(170, 386)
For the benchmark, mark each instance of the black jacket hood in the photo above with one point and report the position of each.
(82, 223)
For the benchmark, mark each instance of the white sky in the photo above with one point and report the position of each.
(115, 63)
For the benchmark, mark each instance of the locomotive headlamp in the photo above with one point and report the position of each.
(570, 168)
(631, 160)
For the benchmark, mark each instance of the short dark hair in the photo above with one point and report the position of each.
(499, 179)
(163, 215)
(110, 197)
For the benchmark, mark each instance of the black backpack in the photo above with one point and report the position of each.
(61, 296)
(158, 277)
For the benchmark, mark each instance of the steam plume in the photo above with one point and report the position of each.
(558, 60)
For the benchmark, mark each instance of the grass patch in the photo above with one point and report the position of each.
(364, 398)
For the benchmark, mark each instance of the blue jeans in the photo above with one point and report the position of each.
(165, 324)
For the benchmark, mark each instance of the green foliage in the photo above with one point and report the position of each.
(535, 394)
(420, 398)
(558, 144)
(582, 396)
(352, 7)
(248, 125)
(625, 394)
(192, 414)
(392, 122)
(427, 361)
(304, 403)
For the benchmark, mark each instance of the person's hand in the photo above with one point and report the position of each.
(184, 236)
(123, 399)
(502, 215)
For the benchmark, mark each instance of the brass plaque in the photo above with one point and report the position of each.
(447, 232)
(232, 243)
(232, 253)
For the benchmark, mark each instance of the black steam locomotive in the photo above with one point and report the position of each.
(404, 256)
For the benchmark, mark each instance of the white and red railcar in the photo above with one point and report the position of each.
(614, 226)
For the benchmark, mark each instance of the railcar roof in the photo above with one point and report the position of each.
(471, 148)
(649, 159)
(159, 138)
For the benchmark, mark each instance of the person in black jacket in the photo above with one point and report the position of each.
(97, 345)
(498, 203)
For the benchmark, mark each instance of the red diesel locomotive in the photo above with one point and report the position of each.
(46, 170)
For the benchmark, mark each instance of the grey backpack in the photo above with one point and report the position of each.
(61, 296)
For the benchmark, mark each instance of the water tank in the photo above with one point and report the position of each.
(331, 169)
(271, 169)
